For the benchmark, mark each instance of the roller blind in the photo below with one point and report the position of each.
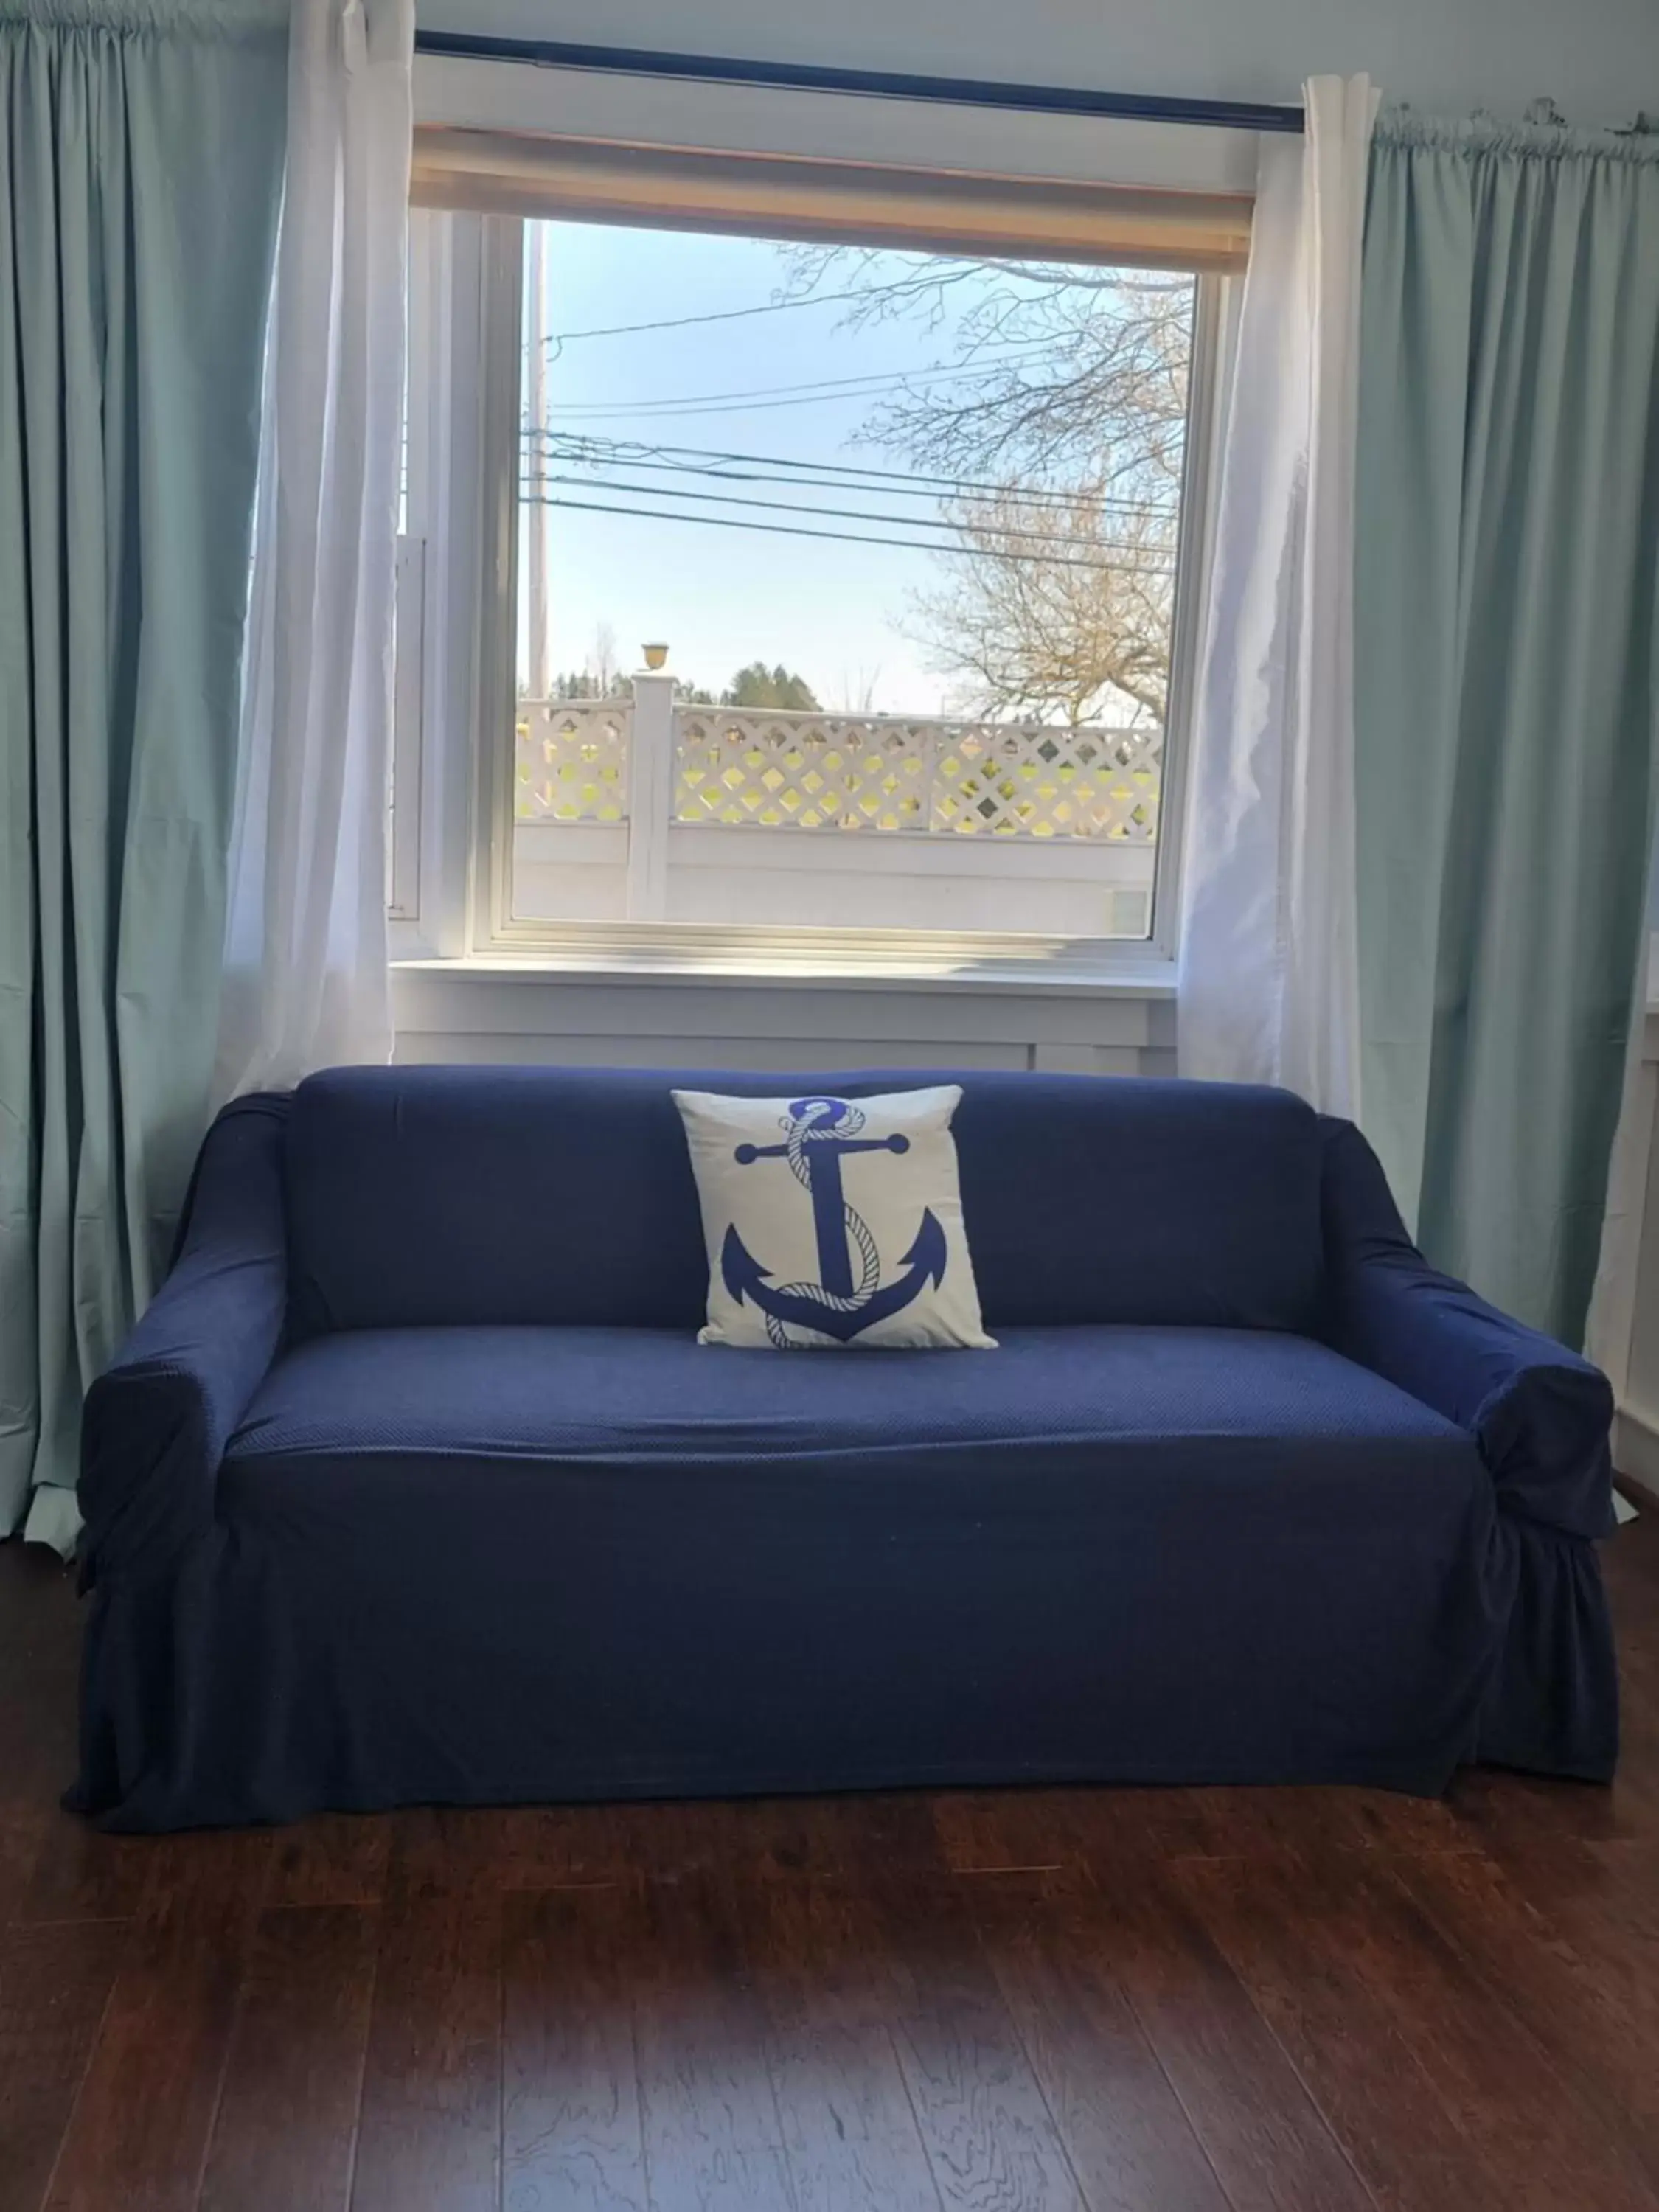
(782, 196)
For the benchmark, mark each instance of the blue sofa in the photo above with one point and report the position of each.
(412, 1484)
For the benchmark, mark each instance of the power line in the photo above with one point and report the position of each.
(660, 411)
(801, 395)
(1026, 273)
(837, 537)
(859, 514)
(890, 483)
(731, 314)
(1029, 503)
(952, 273)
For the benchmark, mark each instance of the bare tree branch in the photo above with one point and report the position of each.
(1104, 372)
(1079, 418)
(1033, 637)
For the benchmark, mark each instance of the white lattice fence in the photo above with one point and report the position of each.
(572, 760)
(1030, 781)
(801, 771)
(791, 771)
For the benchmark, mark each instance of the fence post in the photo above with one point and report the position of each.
(930, 779)
(650, 794)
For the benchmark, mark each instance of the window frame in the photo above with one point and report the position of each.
(466, 294)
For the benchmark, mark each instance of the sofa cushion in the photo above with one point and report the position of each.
(419, 1196)
(536, 1563)
(1125, 1404)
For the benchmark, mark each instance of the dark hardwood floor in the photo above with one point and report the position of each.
(1089, 2000)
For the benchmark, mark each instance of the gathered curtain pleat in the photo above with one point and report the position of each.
(1267, 990)
(141, 155)
(305, 956)
(1506, 684)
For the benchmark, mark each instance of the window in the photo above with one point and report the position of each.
(834, 574)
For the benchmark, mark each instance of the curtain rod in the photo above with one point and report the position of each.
(881, 84)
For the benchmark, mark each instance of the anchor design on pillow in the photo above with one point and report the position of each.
(819, 1134)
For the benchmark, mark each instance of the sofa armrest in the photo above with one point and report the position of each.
(1539, 1415)
(157, 1420)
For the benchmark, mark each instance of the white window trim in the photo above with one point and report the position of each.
(466, 293)
(404, 872)
(443, 519)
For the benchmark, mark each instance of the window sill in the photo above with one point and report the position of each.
(1070, 975)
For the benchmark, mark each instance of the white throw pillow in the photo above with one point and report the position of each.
(833, 1221)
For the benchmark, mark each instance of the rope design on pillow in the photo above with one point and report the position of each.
(799, 1133)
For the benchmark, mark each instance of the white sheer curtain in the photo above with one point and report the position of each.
(306, 941)
(1268, 989)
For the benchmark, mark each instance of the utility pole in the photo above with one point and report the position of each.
(540, 676)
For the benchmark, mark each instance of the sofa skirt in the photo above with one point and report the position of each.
(301, 1664)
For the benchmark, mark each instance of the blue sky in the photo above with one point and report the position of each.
(723, 597)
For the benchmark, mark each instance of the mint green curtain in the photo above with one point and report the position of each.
(141, 150)
(1507, 627)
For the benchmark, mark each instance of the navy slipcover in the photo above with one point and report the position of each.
(439, 1196)
(412, 1486)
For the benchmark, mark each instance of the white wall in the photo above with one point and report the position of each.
(516, 1014)
(1599, 59)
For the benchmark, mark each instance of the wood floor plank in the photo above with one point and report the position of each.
(287, 2121)
(1266, 2139)
(333, 1858)
(1310, 1824)
(560, 1846)
(764, 1837)
(1129, 2140)
(36, 1720)
(1010, 1831)
(571, 2132)
(23, 1831)
(1361, 2073)
(39, 1642)
(139, 2131)
(1046, 1831)
(1390, 1822)
(714, 2139)
(428, 2136)
(510, 1847)
(820, 1964)
(1529, 2131)
(875, 1834)
(1630, 1568)
(1500, 1810)
(1231, 1823)
(54, 1982)
(990, 2136)
(81, 1873)
(1591, 2004)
